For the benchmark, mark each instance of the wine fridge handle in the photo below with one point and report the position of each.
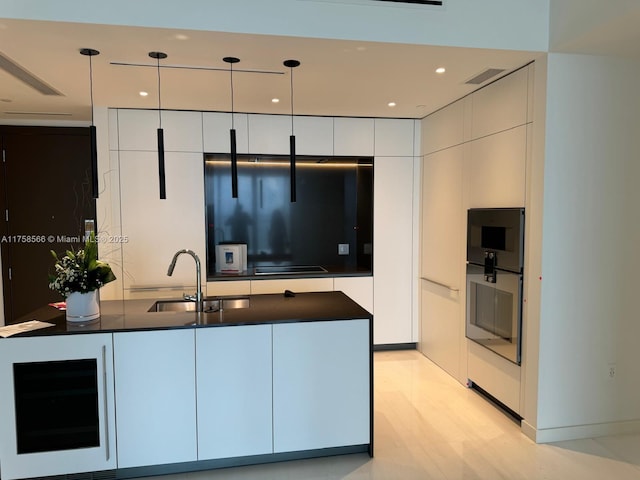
(105, 397)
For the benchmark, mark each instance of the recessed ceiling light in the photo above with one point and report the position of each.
(275, 100)
(391, 104)
(181, 36)
(144, 94)
(440, 70)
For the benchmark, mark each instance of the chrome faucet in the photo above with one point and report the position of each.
(198, 296)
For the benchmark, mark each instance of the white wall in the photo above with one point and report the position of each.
(465, 23)
(590, 237)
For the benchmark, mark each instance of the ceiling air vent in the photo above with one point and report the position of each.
(484, 76)
(20, 73)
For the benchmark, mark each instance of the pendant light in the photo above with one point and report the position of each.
(291, 64)
(90, 52)
(232, 133)
(161, 172)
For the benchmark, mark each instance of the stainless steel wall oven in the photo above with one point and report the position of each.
(495, 248)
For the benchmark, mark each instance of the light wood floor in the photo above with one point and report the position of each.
(428, 426)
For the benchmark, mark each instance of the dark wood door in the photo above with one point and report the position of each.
(46, 198)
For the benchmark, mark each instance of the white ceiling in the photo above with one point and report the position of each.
(336, 77)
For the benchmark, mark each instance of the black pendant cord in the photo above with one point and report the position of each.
(292, 139)
(89, 52)
(161, 164)
(232, 133)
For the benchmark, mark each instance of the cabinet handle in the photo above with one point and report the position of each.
(440, 284)
(106, 401)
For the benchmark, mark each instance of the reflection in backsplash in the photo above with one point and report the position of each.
(334, 206)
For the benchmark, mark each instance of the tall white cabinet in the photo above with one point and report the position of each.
(474, 156)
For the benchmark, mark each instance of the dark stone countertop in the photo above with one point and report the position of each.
(132, 315)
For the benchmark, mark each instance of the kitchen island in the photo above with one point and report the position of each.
(284, 377)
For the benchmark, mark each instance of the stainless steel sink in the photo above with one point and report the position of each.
(208, 305)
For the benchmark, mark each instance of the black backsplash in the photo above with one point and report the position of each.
(334, 205)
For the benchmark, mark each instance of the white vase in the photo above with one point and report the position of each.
(83, 307)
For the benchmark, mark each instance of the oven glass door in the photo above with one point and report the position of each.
(494, 311)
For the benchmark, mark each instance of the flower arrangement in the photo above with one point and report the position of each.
(80, 271)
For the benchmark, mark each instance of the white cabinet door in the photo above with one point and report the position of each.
(495, 170)
(215, 129)
(155, 397)
(443, 217)
(53, 349)
(501, 105)
(137, 130)
(394, 137)
(444, 128)
(155, 229)
(314, 135)
(233, 366)
(353, 136)
(321, 385)
(393, 250)
(269, 134)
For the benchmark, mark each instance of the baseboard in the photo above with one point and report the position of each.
(560, 434)
(395, 346)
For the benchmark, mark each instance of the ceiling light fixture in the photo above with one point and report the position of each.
(440, 70)
(291, 64)
(391, 104)
(232, 133)
(90, 52)
(275, 100)
(144, 94)
(161, 171)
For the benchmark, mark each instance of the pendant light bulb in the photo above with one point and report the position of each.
(291, 64)
(161, 169)
(232, 133)
(90, 52)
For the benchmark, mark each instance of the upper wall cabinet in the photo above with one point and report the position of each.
(444, 128)
(501, 105)
(314, 135)
(353, 136)
(137, 130)
(269, 134)
(393, 137)
(495, 170)
(215, 130)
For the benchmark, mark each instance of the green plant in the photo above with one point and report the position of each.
(80, 271)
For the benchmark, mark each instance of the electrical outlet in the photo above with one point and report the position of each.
(343, 249)
(612, 370)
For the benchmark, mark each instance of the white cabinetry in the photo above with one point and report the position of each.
(501, 105)
(353, 136)
(52, 350)
(495, 170)
(269, 134)
(155, 396)
(442, 258)
(393, 250)
(393, 137)
(155, 228)
(137, 130)
(321, 385)
(314, 135)
(233, 366)
(215, 130)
